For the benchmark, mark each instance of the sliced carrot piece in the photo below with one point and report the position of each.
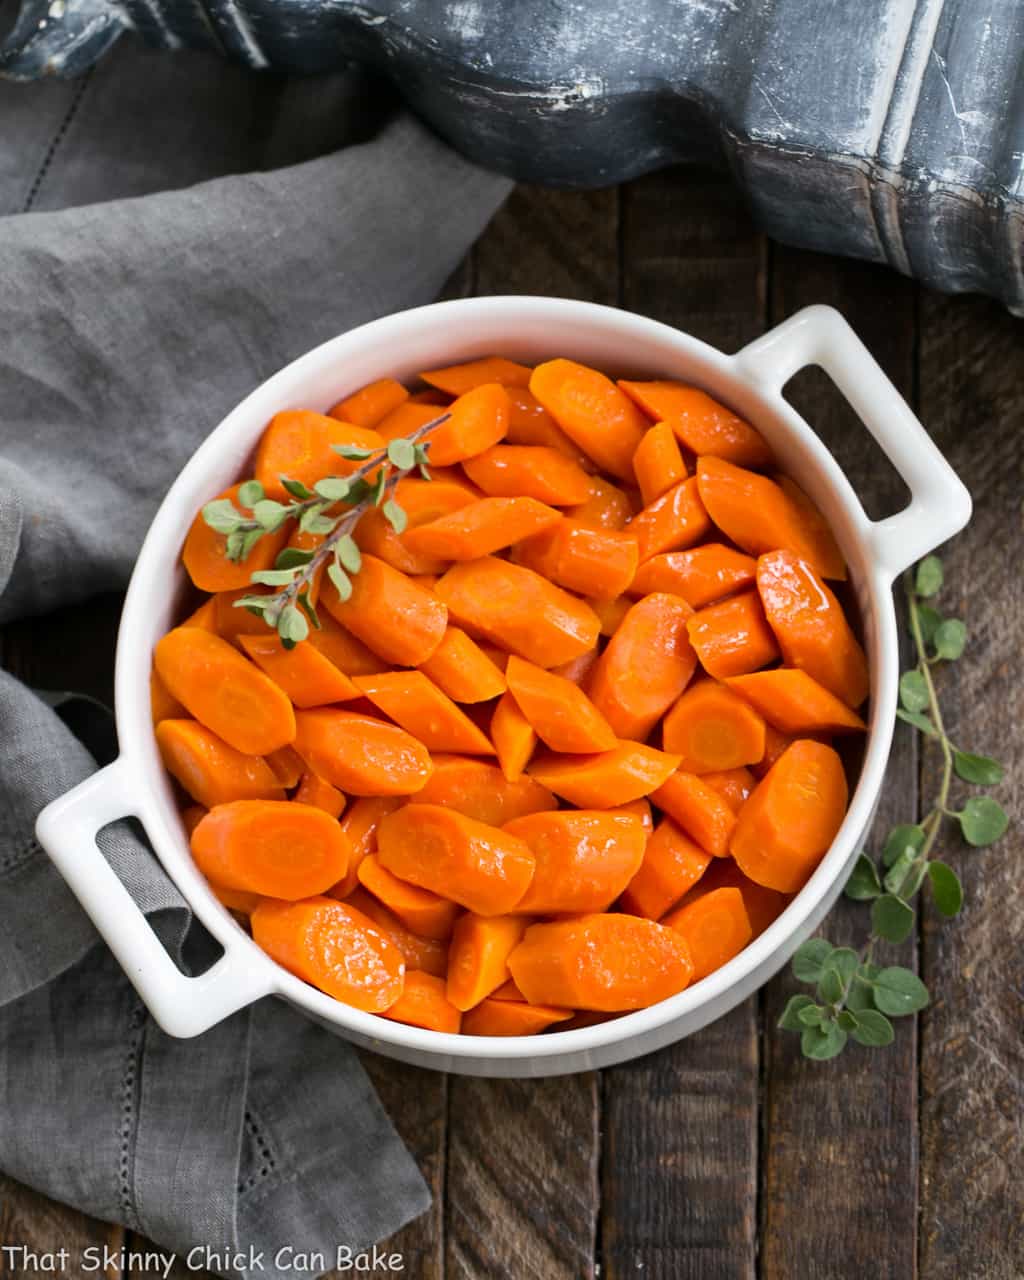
(359, 823)
(423, 1003)
(507, 991)
(320, 794)
(658, 463)
(426, 955)
(205, 553)
(333, 947)
(398, 619)
(592, 411)
(716, 928)
(811, 627)
(538, 471)
(287, 766)
(733, 785)
(477, 420)
(204, 617)
(481, 527)
(562, 715)
(342, 648)
(733, 637)
(478, 789)
(361, 755)
(419, 706)
(161, 705)
(607, 779)
(457, 379)
(700, 575)
(406, 418)
(422, 501)
(605, 962)
(610, 613)
(238, 900)
(494, 1017)
(711, 728)
(530, 423)
(518, 609)
(795, 704)
(639, 809)
(760, 516)
(211, 771)
(224, 691)
(579, 669)
(513, 736)
(672, 865)
(648, 663)
(231, 622)
(426, 914)
(795, 813)
(774, 745)
(607, 507)
(595, 562)
(479, 866)
(367, 406)
(702, 424)
(763, 906)
(585, 858)
(299, 444)
(478, 956)
(461, 669)
(273, 847)
(701, 812)
(305, 675)
(676, 519)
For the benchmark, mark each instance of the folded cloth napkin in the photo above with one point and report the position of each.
(127, 329)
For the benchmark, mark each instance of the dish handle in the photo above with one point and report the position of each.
(940, 505)
(183, 1006)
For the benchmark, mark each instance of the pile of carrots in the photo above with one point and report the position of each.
(566, 749)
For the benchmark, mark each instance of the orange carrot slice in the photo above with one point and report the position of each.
(658, 464)
(639, 809)
(524, 471)
(304, 674)
(367, 406)
(237, 900)
(703, 425)
(795, 704)
(419, 706)
(211, 771)
(341, 648)
(607, 507)
(321, 795)
(299, 444)
(461, 669)
(423, 1003)
(494, 1017)
(478, 956)
(427, 955)
(701, 812)
(595, 562)
(426, 914)
(592, 411)
(399, 620)
(700, 576)
(478, 789)
(231, 622)
(716, 928)
(562, 715)
(733, 637)
(607, 779)
(733, 785)
(406, 418)
(513, 737)
(457, 379)
(579, 669)
(161, 705)
(478, 419)
(287, 766)
(507, 991)
(205, 555)
(611, 613)
(530, 423)
(676, 519)
(585, 858)
(205, 617)
(359, 825)
(422, 501)
(763, 906)
(481, 527)
(711, 728)
(361, 755)
(672, 865)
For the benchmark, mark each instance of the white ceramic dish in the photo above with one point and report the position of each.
(527, 329)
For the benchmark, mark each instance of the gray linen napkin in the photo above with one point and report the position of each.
(127, 329)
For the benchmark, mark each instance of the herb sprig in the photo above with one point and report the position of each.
(854, 997)
(331, 509)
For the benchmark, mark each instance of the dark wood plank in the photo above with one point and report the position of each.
(29, 1221)
(839, 1161)
(972, 1049)
(680, 1160)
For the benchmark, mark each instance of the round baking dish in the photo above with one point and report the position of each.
(526, 329)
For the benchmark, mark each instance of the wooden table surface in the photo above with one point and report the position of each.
(727, 1156)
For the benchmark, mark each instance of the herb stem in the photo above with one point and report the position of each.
(941, 806)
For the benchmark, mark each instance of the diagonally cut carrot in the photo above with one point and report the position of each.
(538, 471)
(711, 729)
(585, 858)
(607, 779)
(321, 795)
(428, 955)
(478, 789)
(676, 519)
(795, 704)
(418, 705)
(716, 928)
(395, 617)
(592, 411)
(561, 714)
(478, 956)
(594, 562)
(210, 770)
(457, 379)
(477, 420)
(480, 528)
(529, 423)
(606, 507)
(513, 736)
(701, 811)
(703, 425)
(658, 463)
(361, 755)
(205, 553)
(701, 576)
(367, 406)
(462, 670)
(423, 1003)
(426, 914)
(494, 1017)
(305, 675)
(733, 637)
(671, 866)
(300, 444)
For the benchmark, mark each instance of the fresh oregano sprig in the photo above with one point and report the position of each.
(854, 997)
(331, 509)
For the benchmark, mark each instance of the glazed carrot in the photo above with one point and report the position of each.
(478, 956)
(591, 410)
(287, 766)
(418, 705)
(333, 947)
(238, 900)
(457, 379)
(760, 516)
(639, 809)
(426, 955)
(321, 795)
(703, 425)
(513, 736)
(671, 866)
(425, 913)
(796, 704)
(400, 621)
(422, 501)
(367, 406)
(305, 675)
(733, 637)
(478, 419)
(204, 554)
(361, 755)
(211, 771)
(494, 1017)
(610, 613)
(496, 653)
(423, 1003)
(518, 609)
(161, 705)
(594, 562)
(299, 444)
(585, 858)
(791, 819)
(716, 928)
(561, 714)
(733, 785)
(204, 617)
(579, 669)
(700, 575)
(359, 824)
(711, 728)
(529, 423)
(273, 847)
(605, 962)
(192, 816)
(406, 418)
(646, 666)
(300, 540)
(461, 669)
(607, 507)
(512, 471)
(701, 811)
(676, 519)
(230, 623)
(774, 745)
(478, 789)
(810, 626)
(507, 991)
(341, 648)
(479, 866)
(487, 525)
(658, 464)
(224, 691)
(763, 906)
(605, 780)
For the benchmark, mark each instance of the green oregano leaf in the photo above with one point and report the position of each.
(811, 1015)
(395, 515)
(341, 580)
(863, 883)
(913, 691)
(235, 545)
(333, 488)
(897, 873)
(981, 770)
(928, 579)
(250, 493)
(947, 891)
(918, 721)
(352, 452)
(292, 625)
(844, 961)
(949, 639)
(860, 994)
(222, 516)
(822, 1043)
(830, 986)
(789, 1020)
(296, 488)
(898, 992)
(846, 1019)
(982, 820)
(929, 620)
(348, 554)
(292, 558)
(891, 919)
(379, 487)
(810, 958)
(402, 453)
(900, 838)
(873, 1028)
(271, 515)
(273, 577)
(309, 609)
